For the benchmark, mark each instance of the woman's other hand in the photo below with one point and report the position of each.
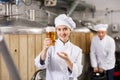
(64, 56)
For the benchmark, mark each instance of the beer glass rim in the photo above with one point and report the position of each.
(50, 29)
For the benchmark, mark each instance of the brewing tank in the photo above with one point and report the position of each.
(20, 26)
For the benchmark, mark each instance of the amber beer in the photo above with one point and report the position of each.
(50, 33)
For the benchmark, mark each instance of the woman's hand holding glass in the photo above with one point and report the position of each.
(47, 43)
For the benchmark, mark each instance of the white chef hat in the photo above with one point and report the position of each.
(102, 27)
(65, 20)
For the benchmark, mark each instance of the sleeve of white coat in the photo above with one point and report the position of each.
(111, 52)
(93, 57)
(77, 66)
(37, 61)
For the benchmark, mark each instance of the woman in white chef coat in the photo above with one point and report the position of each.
(102, 52)
(62, 61)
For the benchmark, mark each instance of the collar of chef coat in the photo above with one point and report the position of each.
(61, 43)
(60, 46)
(102, 39)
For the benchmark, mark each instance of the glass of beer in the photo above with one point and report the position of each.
(50, 33)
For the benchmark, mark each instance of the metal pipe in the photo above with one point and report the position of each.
(32, 14)
(8, 60)
(82, 4)
(73, 8)
(8, 9)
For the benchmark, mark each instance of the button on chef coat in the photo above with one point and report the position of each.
(103, 52)
(56, 67)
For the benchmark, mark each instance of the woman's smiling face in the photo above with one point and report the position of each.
(63, 32)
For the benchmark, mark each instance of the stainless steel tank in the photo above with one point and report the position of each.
(20, 26)
(15, 26)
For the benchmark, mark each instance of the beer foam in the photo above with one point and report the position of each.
(50, 29)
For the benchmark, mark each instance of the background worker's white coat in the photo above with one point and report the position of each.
(56, 67)
(102, 52)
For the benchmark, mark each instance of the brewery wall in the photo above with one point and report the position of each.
(24, 48)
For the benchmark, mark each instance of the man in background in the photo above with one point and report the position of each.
(102, 51)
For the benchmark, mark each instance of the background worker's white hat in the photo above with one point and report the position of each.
(65, 20)
(101, 27)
